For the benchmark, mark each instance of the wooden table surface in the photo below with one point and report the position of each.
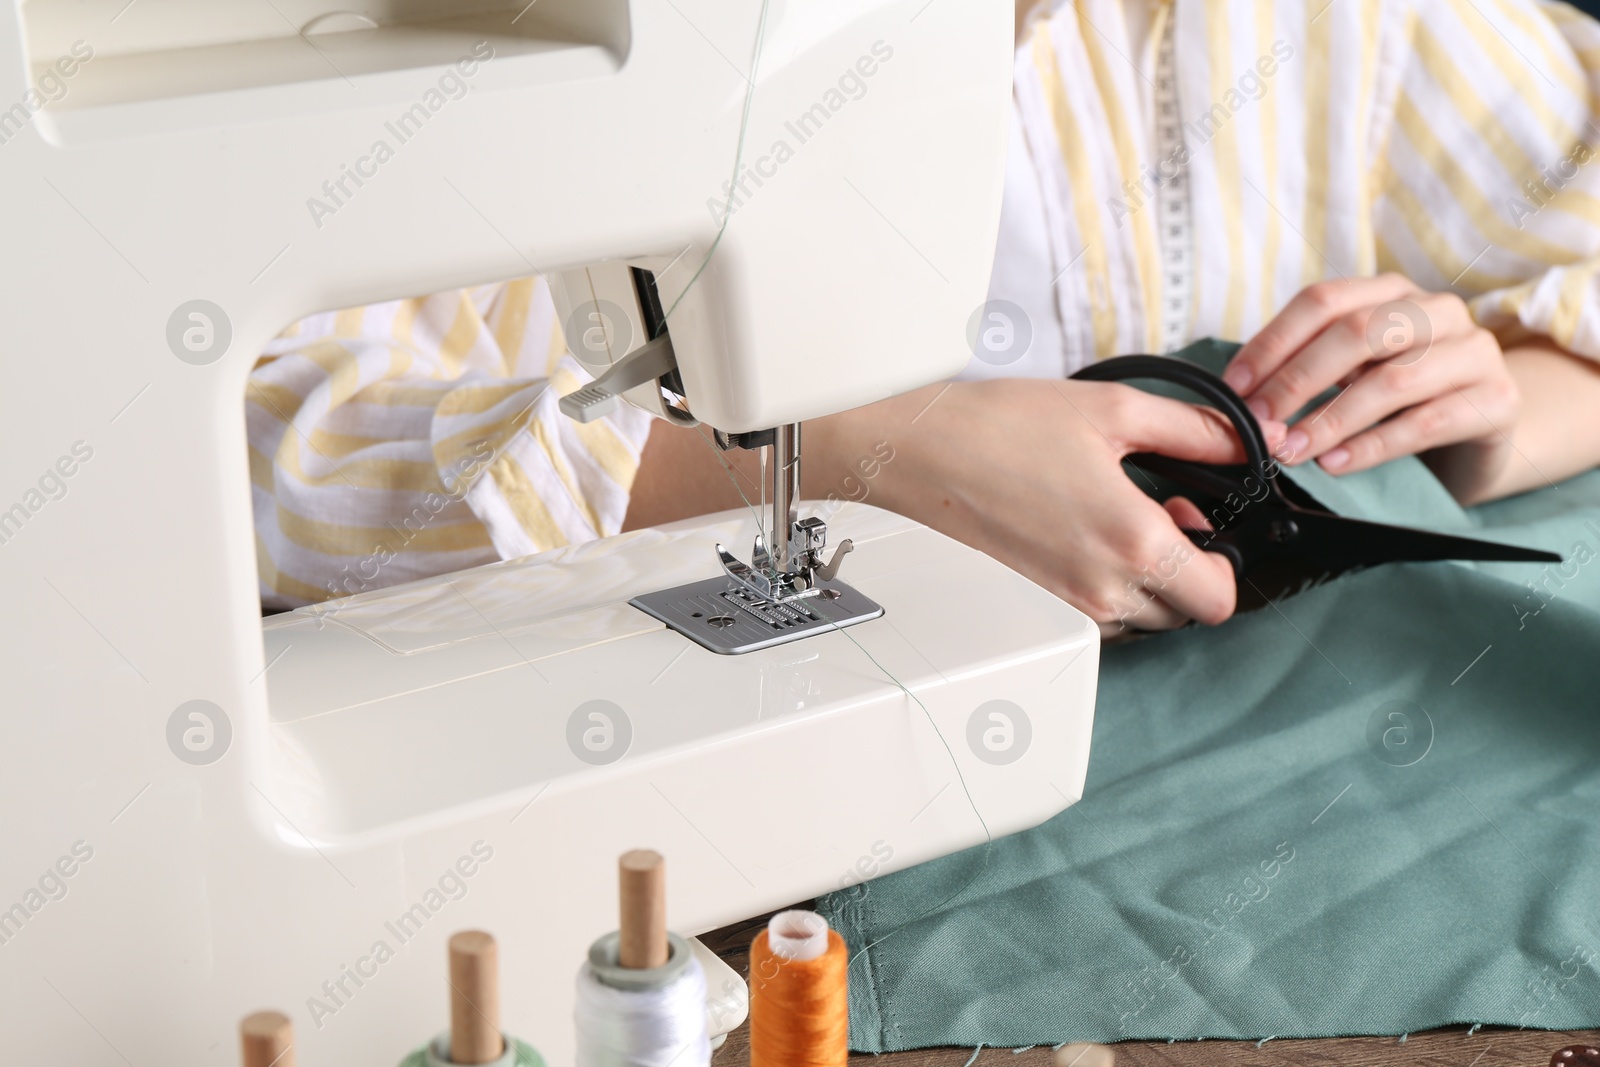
(1454, 1047)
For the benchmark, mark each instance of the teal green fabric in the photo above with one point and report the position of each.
(1371, 808)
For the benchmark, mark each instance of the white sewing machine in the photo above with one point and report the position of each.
(204, 815)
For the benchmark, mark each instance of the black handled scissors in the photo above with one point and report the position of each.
(1278, 538)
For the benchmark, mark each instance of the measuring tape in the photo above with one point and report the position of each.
(1175, 225)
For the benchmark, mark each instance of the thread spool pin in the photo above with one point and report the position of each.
(266, 1039)
(474, 998)
(642, 894)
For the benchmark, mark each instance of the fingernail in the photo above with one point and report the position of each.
(1335, 458)
(1260, 410)
(1297, 442)
(1239, 377)
(1274, 431)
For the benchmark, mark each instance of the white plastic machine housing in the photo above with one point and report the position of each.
(392, 768)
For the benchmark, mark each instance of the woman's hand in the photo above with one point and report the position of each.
(1418, 376)
(1029, 471)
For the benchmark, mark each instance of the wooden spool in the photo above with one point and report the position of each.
(266, 1039)
(642, 889)
(474, 998)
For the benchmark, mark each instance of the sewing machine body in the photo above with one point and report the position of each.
(367, 777)
(535, 678)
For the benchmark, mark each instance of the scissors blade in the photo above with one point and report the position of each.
(1342, 543)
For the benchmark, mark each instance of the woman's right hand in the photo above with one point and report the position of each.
(1029, 471)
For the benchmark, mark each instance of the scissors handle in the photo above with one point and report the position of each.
(1197, 380)
(1281, 542)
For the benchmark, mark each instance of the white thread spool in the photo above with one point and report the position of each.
(651, 1025)
(642, 995)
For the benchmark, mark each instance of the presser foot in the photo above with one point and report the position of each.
(806, 575)
(786, 592)
(769, 584)
(730, 618)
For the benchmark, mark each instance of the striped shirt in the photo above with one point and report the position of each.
(407, 439)
(1447, 140)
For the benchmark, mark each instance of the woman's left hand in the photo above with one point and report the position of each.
(1418, 375)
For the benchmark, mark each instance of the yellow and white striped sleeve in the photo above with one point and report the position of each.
(407, 439)
(1488, 182)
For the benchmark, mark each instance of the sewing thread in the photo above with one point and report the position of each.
(798, 1007)
(643, 1027)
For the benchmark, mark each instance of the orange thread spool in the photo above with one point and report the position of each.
(799, 1014)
